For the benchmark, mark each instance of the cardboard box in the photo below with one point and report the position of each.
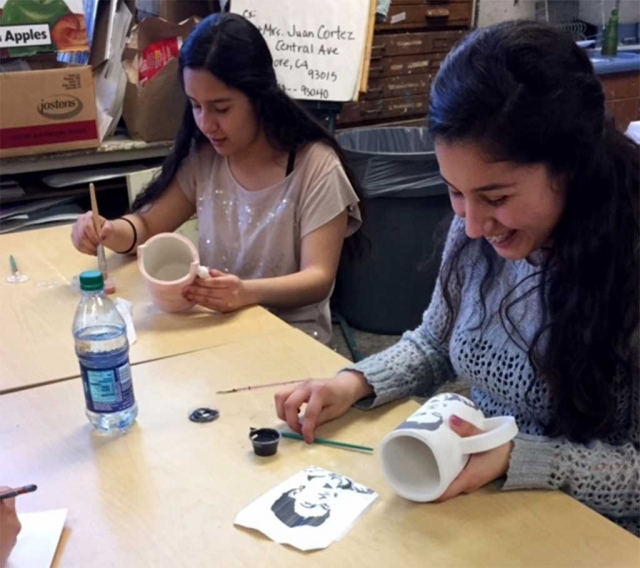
(176, 10)
(160, 97)
(47, 110)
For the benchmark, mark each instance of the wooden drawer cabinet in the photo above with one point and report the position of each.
(428, 14)
(406, 53)
(383, 109)
(412, 43)
(404, 86)
(622, 95)
(405, 65)
(621, 86)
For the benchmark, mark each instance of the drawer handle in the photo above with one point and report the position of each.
(375, 91)
(437, 13)
(378, 110)
(380, 47)
(378, 69)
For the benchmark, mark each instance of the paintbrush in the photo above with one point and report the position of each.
(255, 387)
(10, 493)
(326, 442)
(102, 259)
(109, 283)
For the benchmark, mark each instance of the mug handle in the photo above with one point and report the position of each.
(499, 430)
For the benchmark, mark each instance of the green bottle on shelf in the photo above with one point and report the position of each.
(610, 42)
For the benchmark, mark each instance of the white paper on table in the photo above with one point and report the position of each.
(125, 308)
(38, 539)
(633, 131)
(310, 510)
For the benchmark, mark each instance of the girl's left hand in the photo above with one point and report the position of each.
(221, 292)
(481, 468)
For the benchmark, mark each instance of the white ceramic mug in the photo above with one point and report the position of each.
(422, 456)
(169, 263)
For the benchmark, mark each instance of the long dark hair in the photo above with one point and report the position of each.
(525, 93)
(285, 509)
(232, 49)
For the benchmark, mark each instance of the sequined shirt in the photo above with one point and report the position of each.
(258, 234)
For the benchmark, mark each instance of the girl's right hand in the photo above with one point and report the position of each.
(326, 399)
(84, 236)
(9, 527)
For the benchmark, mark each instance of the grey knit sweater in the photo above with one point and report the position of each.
(602, 474)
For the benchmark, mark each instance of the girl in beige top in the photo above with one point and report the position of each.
(269, 185)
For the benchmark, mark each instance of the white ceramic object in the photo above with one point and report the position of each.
(169, 263)
(422, 456)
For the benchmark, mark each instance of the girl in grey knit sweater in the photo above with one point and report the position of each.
(536, 304)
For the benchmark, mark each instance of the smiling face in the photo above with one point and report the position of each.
(224, 115)
(515, 207)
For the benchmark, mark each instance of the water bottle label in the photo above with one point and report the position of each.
(108, 390)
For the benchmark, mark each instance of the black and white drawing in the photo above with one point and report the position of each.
(310, 504)
(429, 416)
(431, 421)
(310, 510)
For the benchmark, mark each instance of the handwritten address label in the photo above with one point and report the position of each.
(317, 45)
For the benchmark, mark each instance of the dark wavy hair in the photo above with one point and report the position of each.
(285, 509)
(232, 49)
(526, 93)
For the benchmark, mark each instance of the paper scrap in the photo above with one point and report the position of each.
(125, 308)
(38, 539)
(401, 17)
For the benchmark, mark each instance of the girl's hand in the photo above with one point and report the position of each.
(84, 236)
(221, 292)
(326, 399)
(481, 468)
(9, 528)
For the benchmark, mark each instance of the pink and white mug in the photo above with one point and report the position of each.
(169, 262)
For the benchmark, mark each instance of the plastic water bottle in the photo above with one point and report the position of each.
(103, 352)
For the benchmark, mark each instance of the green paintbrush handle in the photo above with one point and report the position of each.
(294, 436)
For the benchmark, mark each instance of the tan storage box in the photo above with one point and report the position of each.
(47, 110)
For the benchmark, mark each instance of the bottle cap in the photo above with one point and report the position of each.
(91, 280)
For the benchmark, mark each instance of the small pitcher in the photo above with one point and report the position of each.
(169, 263)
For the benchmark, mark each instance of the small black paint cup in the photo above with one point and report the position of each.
(265, 441)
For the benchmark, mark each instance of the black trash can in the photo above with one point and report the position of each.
(388, 289)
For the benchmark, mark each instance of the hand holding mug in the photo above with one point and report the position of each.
(429, 456)
(221, 292)
(482, 468)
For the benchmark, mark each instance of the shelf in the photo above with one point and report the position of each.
(120, 149)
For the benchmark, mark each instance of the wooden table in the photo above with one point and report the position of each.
(166, 493)
(36, 344)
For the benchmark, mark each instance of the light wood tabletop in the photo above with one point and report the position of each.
(36, 344)
(167, 492)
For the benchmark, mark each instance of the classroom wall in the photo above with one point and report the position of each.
(591, 11)
(494, 11)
